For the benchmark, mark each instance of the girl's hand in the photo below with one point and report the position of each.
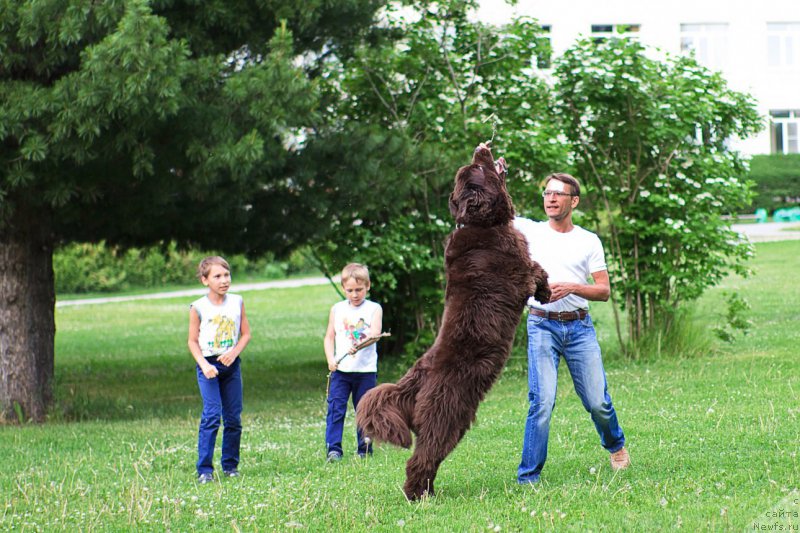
(210, 371)
(227, 358)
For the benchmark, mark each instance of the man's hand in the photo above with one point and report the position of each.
(501, 166)
(560, 290)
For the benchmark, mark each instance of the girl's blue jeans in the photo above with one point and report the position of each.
(343, 385)
(548, 341)
(222, 399)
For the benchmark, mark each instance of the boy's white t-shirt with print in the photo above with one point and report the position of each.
(219, 324)
(566, 257)
(352, 325)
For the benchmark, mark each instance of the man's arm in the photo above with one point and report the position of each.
(598, 292)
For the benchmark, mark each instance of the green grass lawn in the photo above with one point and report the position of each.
(713, 439)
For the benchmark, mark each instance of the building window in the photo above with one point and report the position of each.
(783, 44)
(709, 42)
(606, 31)
(785, 125)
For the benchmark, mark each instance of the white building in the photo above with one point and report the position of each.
(755, 43)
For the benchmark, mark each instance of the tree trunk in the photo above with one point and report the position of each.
(27, 320)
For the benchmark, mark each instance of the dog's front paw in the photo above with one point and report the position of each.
(542, 293)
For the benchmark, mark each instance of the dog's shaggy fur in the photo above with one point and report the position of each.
(489, 278)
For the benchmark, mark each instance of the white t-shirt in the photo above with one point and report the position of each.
(568, 257)
(219, 324)
(352, 324)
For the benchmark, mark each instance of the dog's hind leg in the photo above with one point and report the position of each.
(441, 418)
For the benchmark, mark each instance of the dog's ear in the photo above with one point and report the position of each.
(460, 202)
(453, 204)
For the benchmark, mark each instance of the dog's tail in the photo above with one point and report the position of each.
(383, 415)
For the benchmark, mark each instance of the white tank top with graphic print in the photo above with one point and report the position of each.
(352, 324)
(219, 324)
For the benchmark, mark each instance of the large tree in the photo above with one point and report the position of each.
(410, 112)
(136, 121)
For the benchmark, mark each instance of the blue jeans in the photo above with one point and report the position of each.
(548, 340)
(343, 384)
(222, 398)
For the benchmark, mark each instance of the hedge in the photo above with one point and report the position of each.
(777, 181)
(97, 267)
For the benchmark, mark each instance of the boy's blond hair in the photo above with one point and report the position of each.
(205, 265)
(355, 271)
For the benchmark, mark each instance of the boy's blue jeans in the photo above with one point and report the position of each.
(576, 341)
(222, 398)
(343, 384)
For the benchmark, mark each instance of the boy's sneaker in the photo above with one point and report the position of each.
(334, 456)
(230, 473)
(205, 478)
(620, 459)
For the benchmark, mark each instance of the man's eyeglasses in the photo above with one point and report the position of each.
(545, 194)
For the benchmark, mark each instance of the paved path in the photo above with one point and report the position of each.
(769, 231)
(236, 287)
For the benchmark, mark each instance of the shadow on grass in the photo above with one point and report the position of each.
(167, 389)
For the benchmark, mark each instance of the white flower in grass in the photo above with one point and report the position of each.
(401, 523)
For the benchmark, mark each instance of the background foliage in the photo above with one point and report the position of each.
(649, 138)
(86, 267)
(413, 110)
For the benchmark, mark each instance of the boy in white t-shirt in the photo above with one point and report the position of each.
(218, 334)
(353, 372)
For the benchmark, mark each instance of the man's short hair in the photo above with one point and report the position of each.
(566, 179)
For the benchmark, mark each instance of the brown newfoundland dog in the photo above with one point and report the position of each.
(489, 278)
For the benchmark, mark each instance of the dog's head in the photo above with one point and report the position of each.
(480, 197)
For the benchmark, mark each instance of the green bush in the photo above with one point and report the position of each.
(98, 267)
(777, 181)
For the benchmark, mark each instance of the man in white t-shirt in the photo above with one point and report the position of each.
(563, 327)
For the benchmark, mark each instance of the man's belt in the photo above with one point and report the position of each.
(561, 316)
